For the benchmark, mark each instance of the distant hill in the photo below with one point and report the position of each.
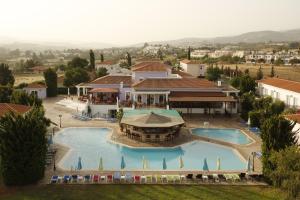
(250, 37)
(40, 46)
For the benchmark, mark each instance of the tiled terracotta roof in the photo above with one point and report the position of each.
(35, 85)
(150, 66)
(282, 83)
(186, 61)
(112, 79)
(197, 94)
(202, 99)
(294, 117)
(174, 83)
(16, 108)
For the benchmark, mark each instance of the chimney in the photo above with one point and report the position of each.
(121, 84)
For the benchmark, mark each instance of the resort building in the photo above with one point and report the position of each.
(37, 89)
(281, 89)
(193, 67)
(295, 118)
(152, 84)
(15, 108)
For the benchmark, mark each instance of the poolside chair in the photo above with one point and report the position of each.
(109, 178)
(199, 177)
(102, 178)
(170, 178)
(164, 179)
(189, 177)
(122, 178)
(210, 178)
(149, 178)
(228, 177)
(54, 179)
(117, 177)
(216, 178)
(242, 176)
(87, 178)
(205, 178)
(95, 178)
(221, 177)
(182, 178)
(235, 177)
(177, 179)
(66, 178)
(74, 178)
(157, 179)
(128, 177)
(137, 179)
(143, 179)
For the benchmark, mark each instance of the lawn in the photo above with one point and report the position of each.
(143, 192)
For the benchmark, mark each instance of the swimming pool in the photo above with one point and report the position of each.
(91, 143)
(234, 136)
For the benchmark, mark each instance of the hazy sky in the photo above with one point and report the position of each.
(134, 21)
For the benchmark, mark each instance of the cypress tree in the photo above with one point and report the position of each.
(92, 59)
(272, 74)
(51, 82)
(189, 53)
(128, 59)
(102, 57)
(259, 74)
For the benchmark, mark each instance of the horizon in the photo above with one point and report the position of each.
(84, 21)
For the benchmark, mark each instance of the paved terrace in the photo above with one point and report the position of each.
(194, 121)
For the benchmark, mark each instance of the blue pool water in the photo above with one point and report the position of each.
(92, 143)
(234, 136)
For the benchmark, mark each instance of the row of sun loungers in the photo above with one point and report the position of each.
(117, 177)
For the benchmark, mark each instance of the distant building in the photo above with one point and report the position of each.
(199, 53)
(281, 89)
(108, 64)
(38, 89)
(39, 69)
(193, 67)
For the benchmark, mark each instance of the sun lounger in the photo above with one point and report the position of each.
(128, 177)
(66, 178)
(95, 178)
(235, 177)
(228, 177)
(221, 177)
(54, 179)
(176, 178)
(189, 177)
(204, 178)
(102, 178)
(109, 178)
(210, 178)
(216, 178)
(157, 178)
(74, 178)
(137, 179)
(122, 178)
(143, 179)
(117, 177)
(80, 178)
(199, 177)
(182, 178)
(170, 178)
(164, 179)
(87, 178)
(149, 178)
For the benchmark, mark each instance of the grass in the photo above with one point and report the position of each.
(285, 72)
(142, 192)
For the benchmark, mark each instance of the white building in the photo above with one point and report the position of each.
(37, 89)
(199, 53)
(281, 89)
(193, 67)
(295, 118)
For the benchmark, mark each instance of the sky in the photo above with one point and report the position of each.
(123, 22)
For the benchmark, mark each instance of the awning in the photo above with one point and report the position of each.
(202, 99)
(104, 90)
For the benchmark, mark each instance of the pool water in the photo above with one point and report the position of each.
(234, 136)
(91, 143)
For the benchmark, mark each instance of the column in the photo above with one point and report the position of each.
(78, 91)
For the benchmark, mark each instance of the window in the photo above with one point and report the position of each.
(287, 100)
(34, 92)
(161, 98)
(295, 101)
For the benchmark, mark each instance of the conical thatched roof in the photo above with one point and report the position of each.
(153, 118)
